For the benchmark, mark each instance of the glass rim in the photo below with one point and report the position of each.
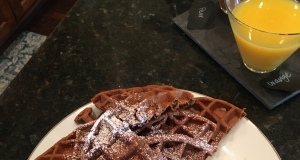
(244, 24)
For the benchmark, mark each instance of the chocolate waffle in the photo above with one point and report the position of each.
(67, 146)
(220, 112)
(184, 129)
(111, 138)
(106, 138)
(182, 135)
(193, 132)
(138, 105)
(163, 96)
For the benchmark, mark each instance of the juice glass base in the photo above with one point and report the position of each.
(222, 6)
(256, 71)
(224, 10)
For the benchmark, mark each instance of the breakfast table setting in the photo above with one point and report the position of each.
(107, 45)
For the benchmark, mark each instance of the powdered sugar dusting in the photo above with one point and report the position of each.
(108, 131)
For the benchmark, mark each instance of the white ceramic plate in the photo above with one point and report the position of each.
(244, 142)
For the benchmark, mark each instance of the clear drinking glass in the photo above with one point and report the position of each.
(262, 51)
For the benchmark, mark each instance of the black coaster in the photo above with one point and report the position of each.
(219, 43)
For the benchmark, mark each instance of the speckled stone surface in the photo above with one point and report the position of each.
(17, 55)
(102, 45)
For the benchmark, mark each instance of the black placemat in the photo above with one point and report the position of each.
(219, 43)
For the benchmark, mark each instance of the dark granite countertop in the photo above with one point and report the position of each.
(102, 45)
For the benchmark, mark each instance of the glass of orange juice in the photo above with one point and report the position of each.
(267, 32)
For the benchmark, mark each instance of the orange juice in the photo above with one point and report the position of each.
(273, 35)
